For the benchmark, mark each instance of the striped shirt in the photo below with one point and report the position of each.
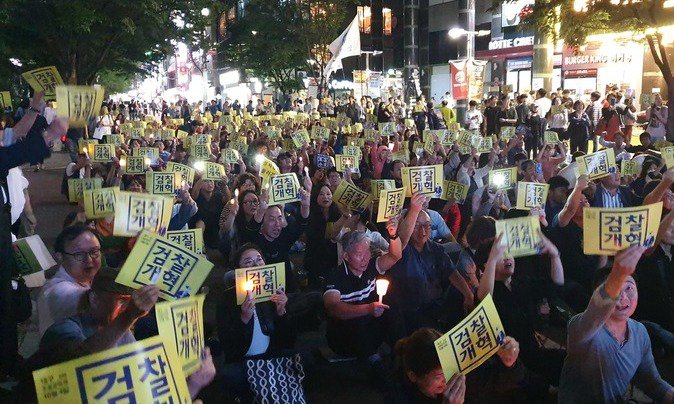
(354, 289)
(611, 200)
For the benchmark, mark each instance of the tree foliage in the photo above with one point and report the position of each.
(83, 37)
(276, 38)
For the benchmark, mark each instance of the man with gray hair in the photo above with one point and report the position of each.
(357, 322)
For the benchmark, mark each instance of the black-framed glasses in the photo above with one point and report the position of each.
(251, 203)
(82, 256)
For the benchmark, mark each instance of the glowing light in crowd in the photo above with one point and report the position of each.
(382, 288)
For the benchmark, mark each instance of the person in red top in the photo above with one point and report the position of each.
(609, 123)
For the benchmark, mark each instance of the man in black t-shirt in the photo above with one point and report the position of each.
(357, 322)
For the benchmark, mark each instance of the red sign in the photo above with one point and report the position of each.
(459, 79)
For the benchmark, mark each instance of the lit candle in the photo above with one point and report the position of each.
(236, 195)
(122, 162)
(86, 153)
(199, 165)
(306, 171)
(248, 286)
(147, 161)
(382, 287)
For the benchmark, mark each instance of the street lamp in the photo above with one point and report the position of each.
(16, 62)
(205, 11)
(456, 33)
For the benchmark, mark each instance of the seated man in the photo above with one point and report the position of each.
(356, 319)
(606, 349)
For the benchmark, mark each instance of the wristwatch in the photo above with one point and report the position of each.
(393, 237)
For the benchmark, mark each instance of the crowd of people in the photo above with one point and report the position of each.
(574, 330)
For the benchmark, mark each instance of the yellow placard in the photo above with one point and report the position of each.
(213, 171)
(551, 137)
(355, 141)
(201, 138)
(200, 151)
(181, 134)
(181, 325)
(507, 133)
(283, 188)
(454, 126)
(186, 172)
(262, 281)
(390, 203)
(378, 185)
(134, 164)
(531, 195)
(125, 128)
(352, 151)
(300, 138)
(342, 162)
(150, 152)
(503, 178)
(162, 182)
(483, 144)
(447, 138)
(143, 372)
(268, 169)
(426, 180)
(466, 137)
(520, 235)
(607, 231)
(88, 144)
(138, 124)
(597, 165)
(116, 140)
(323, 161)
(629, 167)
(103, 153)
(371, 135)
(78, 103)
(668, 154)
(351, 197)
(230, 156)
(429, 145)
(387, 128)
(44, 79)
(370, 118)
(455, 191)
(320, 133)
(241, 147)
(177, 271)
(474, 340)
(192, 239)
(136, 133)
(76, 187)
(136, 211)
(99, 203)
(5, 99)
(402, 155)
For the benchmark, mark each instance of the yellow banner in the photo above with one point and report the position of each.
(144, 372)
(504, 178)
(76, 187)
(99, 203)
(629, 167)
(342, 162)
(192, 239)
(44, 79)
(377, 186)
(5, 99)
(134, 164)
(181, 325)
(607, 231)
(390, 203)
(351, 197)
(597, 165)
(531, 195)
(300, 138)
(284, 188)
(474, 340)
(426, 180)
(551, 137)
(456, 191)
(262, 281)
(186, 172)
(103, 153)
(78, 103)
(154, 260)
(136, 211)
(520, 235)
(162, 182)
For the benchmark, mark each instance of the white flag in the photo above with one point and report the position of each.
(347, 44)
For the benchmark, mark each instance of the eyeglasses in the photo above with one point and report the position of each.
(425, 226)
(251, 203)
(82, 256)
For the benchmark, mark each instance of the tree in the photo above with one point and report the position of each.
(114, 81)
(574, 20)
(83, 37)
(322, 22)
(265, 41)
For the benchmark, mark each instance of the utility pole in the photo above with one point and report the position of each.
(467, 22)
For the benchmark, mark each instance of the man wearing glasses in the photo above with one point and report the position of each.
(78, 250)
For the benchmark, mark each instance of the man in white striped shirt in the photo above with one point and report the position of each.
(610, 194)
(357, 322)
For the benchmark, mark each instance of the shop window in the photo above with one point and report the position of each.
(365, 19)
(388, 21)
